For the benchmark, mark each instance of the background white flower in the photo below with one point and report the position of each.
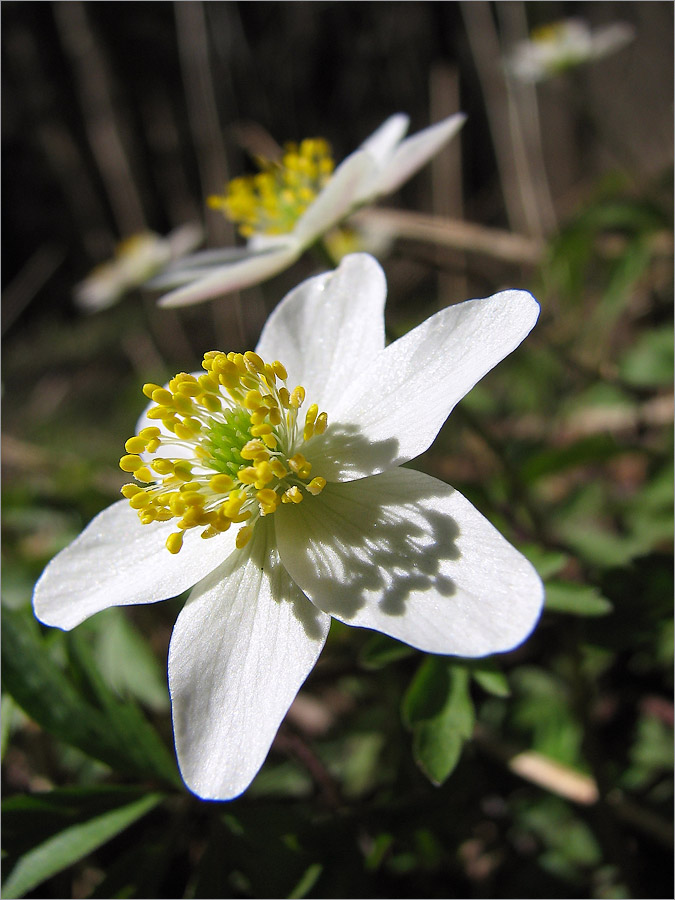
(137, 258)
(382, 546)
(559, 46)
(378, 167)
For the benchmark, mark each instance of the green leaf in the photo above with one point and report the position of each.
(649, 362)
(438, 708)
(381, 650)
(489, 677)
(125, 659)
(578, 599)
(116, 734)
(71, 845)
(307, 882)
(546, 562)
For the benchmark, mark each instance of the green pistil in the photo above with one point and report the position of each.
(225, 441)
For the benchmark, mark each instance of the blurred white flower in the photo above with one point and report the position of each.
(563, 45)
(292, 204)
(137, 259)
(328, 521)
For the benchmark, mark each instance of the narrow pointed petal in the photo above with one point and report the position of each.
(328, 328)
(235, 276)
(117, 561)
(394, 410)
(241, 648)
(414, 152)
(407, 555)
(337, 199)
(382, 142)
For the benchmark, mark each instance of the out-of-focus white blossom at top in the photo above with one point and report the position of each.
(563, 45)
(137, 258)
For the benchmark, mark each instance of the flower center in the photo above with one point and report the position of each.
(272, 201)
(238, 430)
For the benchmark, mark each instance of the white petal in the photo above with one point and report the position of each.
(117, 561)
(393, 411)
(382, 142)
(407, 555)
(337, 199)
(414, 152)
(233, 277)
(197, 265)
(241, 648)
(328, 328)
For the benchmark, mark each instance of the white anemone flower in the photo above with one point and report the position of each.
(563, 45)
(137, 259)
(294, 203)
(328, 521)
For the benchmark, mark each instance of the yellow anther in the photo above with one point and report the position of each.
(311, 414)
(321, 423)
(247, 475)
(310, 419)
(279, 370)
(244, 536)
(212, 403)
(162, 466)
(130, 490)
(150, 388)
(253, 400)
(260, 430)
(264, 474)
(130, 463)
(235, 502)
(292, 495)
(285, 397)
(278, 468)
(144, 474)
(254, 361)
(300, 466)
(150, 433)
(135, 445)
(268, 499)
(138, 501)
(274, 415)
(177, 504)
(259, 416)
(182, 404)
(220, 483)
(297, 397)
(182, 469)
(270, 441)
(162, 397)
(316, 485)
(253, 450)
(174, 542)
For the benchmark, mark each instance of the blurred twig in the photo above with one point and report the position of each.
(467, 236)
(99, 114)
(32, 277)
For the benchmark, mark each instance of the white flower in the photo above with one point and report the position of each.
(563, 45)
(137, 258)
(327, 521)
(293, 204)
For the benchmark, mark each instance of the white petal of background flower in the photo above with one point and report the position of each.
(241, 648)
(403, 398)
(407, 555)
(241, 274)
(116, 561)
(328, 328)
(383, 141)
(336, 199)
(414, 152)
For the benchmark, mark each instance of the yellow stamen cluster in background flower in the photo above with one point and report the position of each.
(272, 201)
(238, 433)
